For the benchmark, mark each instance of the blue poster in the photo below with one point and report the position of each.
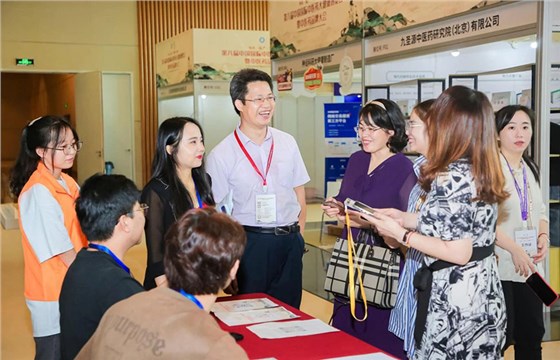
(335, 168)
(341, 119)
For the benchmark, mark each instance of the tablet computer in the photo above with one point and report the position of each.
(359, 206)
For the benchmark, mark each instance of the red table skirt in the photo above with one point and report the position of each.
(321, 346)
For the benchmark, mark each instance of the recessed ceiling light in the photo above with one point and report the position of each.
(534, 45)
(455, 53)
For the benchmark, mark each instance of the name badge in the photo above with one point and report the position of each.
(266, 208)
(527, 239)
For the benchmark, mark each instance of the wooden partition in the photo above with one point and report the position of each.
(160, 20)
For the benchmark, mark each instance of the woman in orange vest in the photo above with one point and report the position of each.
(51, 233)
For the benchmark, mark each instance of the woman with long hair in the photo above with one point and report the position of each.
(179, 183)
(461, 311)
(51, 233)
(378, 175)
(522, 214)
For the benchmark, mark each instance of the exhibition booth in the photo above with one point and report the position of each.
(509, 50)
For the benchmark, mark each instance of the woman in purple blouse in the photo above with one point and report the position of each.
(380, 176)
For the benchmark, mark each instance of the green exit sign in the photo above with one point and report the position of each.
(25, 62)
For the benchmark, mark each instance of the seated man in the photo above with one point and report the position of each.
(113, 222)
(202, 252)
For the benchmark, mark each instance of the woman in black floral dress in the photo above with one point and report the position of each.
(461, 309)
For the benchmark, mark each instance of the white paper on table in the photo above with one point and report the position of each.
(371, 356)
(255, 316)
(280, 330)
(243, 305)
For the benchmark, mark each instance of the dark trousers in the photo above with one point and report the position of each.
(272, 264)
(525, 323)
(47, 347)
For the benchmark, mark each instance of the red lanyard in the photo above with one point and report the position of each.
(248, 156)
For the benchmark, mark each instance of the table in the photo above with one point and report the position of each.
(321, 346)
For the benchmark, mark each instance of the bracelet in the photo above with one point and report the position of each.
(547, 237)
(406, 238)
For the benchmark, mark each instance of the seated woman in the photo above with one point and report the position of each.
(202, 252)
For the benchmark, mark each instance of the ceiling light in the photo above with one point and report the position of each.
(455, 53)
(534, 45)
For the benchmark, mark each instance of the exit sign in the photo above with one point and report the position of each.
(25, 62)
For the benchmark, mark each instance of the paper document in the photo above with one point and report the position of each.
(285, 329)
(254, 316)
(243, 305)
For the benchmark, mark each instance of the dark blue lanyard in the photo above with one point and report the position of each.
(106, 250)
(191, 298)
(200, 204)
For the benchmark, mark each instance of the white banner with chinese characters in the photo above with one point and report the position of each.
(228, 51)
(174, 60)
(518, 15)
(209, 54)
(299, 26)
(329, 57)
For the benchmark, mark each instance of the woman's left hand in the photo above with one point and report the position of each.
(542, 249)
(385, 225)
(356, 220)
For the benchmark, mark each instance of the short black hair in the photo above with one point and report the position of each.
(200, 250)
(390, 118)
(103, 200)
(238, 85)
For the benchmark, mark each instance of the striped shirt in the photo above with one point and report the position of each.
(403, 315)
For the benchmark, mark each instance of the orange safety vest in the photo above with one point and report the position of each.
(43, 281)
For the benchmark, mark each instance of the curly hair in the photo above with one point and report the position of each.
(200, 250)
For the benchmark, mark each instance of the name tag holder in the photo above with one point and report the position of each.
(527, 239)
(266, 208)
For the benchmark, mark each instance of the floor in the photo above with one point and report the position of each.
(16, 336)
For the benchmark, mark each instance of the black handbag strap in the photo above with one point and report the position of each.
(423, 284)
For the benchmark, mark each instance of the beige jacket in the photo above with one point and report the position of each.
(159, 324)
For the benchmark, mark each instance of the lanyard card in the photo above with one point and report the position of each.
(527, 239)
(266, 208)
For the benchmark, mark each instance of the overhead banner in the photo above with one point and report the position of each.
(227, 52)
(329, 57)
(188, 56)
(174, 60)
(454, 30)
(307, 25)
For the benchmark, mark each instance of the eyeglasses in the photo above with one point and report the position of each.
(409, 124)
(67, 150)
(364, 129)
(143, 207)
(260, 100)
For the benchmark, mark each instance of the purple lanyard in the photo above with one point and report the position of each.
(523, 197)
